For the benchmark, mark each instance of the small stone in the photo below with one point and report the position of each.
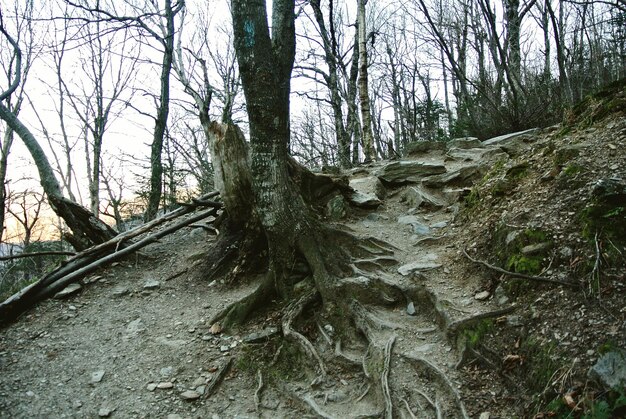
(119, 291)
(410, 309)
(262, 336)
(105, 412)
(481, 296)
(174, 416)
(536, 249)
(166, 371)
(198, 382)
(69, 290)
(485, 415)
(30, 393)
(190, 395)
(96, 376)
(610, 369)
(165, 385)
(515, 321)
(200, 389)
(440, 224)
(77, 404)
(224, 348)
(151, 387)
(72, 308)
(151, 284)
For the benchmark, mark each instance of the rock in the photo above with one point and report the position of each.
(401, 172)
(374, 217)
(165, 385)
(224, 348)
(407, 219)
(69, 290)
(485, 415)
(416, 227)
(610, 369)
(464, 143)
(77, 404)
(135, 327)
(151, 284)
(410, 309)
(440, 224)
(536, 249)
(481, 296)
(97, 376)
(336, 208)
(416, 148)
(566, 252)
(426, 262)
(369, 185)
(198, 382)
(151, 387)
(262, 336)
(166, 371)
(500, 295)
(416, 196)
(508, 137)
(363, 200)
(172, 343)
(200, 389)
(119, 291)
(515, 321)
(105, 412)
(564, 154)
(190, 395)
(30, 393)
(465, 176)
(177, 416)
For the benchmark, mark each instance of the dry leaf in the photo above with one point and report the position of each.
(215, 329)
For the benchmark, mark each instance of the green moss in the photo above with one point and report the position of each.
(473, 336)
(530, 265)
(572, 169)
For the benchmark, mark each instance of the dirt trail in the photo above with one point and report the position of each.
(142, 323)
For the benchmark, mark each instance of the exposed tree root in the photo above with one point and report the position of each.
(522, 276)
(456, 328)
(259, 389)
(384, 378)
(292, 312)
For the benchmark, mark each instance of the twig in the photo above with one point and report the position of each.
(384, 378)
(430, 402)
(318, 410)
(520, 275)
(257, 393)
(37, 254)
(367, 390)
(595, 273)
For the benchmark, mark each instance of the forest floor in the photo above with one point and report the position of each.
(135, 341)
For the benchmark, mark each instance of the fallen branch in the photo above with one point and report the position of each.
(37, 254)
(24, 299)
(257, 393)
(520, 275)
(217, 378)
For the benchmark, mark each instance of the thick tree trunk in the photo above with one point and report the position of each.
(87, 230)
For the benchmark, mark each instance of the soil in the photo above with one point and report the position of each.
(135, 342)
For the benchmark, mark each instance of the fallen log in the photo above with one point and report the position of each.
(89, 260)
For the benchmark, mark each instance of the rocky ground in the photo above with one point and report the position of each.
(469, 341)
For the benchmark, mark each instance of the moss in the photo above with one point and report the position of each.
(530, 265)
(509, 245)
(572, 169)
(474, 336)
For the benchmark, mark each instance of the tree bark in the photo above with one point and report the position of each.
(86, 228)
(156, 165)
(364, 99)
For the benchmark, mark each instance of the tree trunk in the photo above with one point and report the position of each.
(156, 165)
(364, 99)
(86, 229)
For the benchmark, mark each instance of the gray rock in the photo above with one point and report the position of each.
(410, 309)
(507, 137)
(177, 416)
(198, 382)
(97, 376)
(536, 249)
(69, 290)
(151, 284)
(500, 295)
(262, 336)
(426, 262)
(610, 369)
(485, 415)
(465, 176)
(165, 385)
(336, 208)
(200, 389)
(408, 219)
(166, 371)
(408, 171)
(151, 387)
(464, 143)
(135, 327)
(481, 296)
(515, 321)
(440, 224)
(416, 148)
(369, 185)
(363, 200)
(416, 196)
(105, 412)
(190, 395)
(119, 291)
